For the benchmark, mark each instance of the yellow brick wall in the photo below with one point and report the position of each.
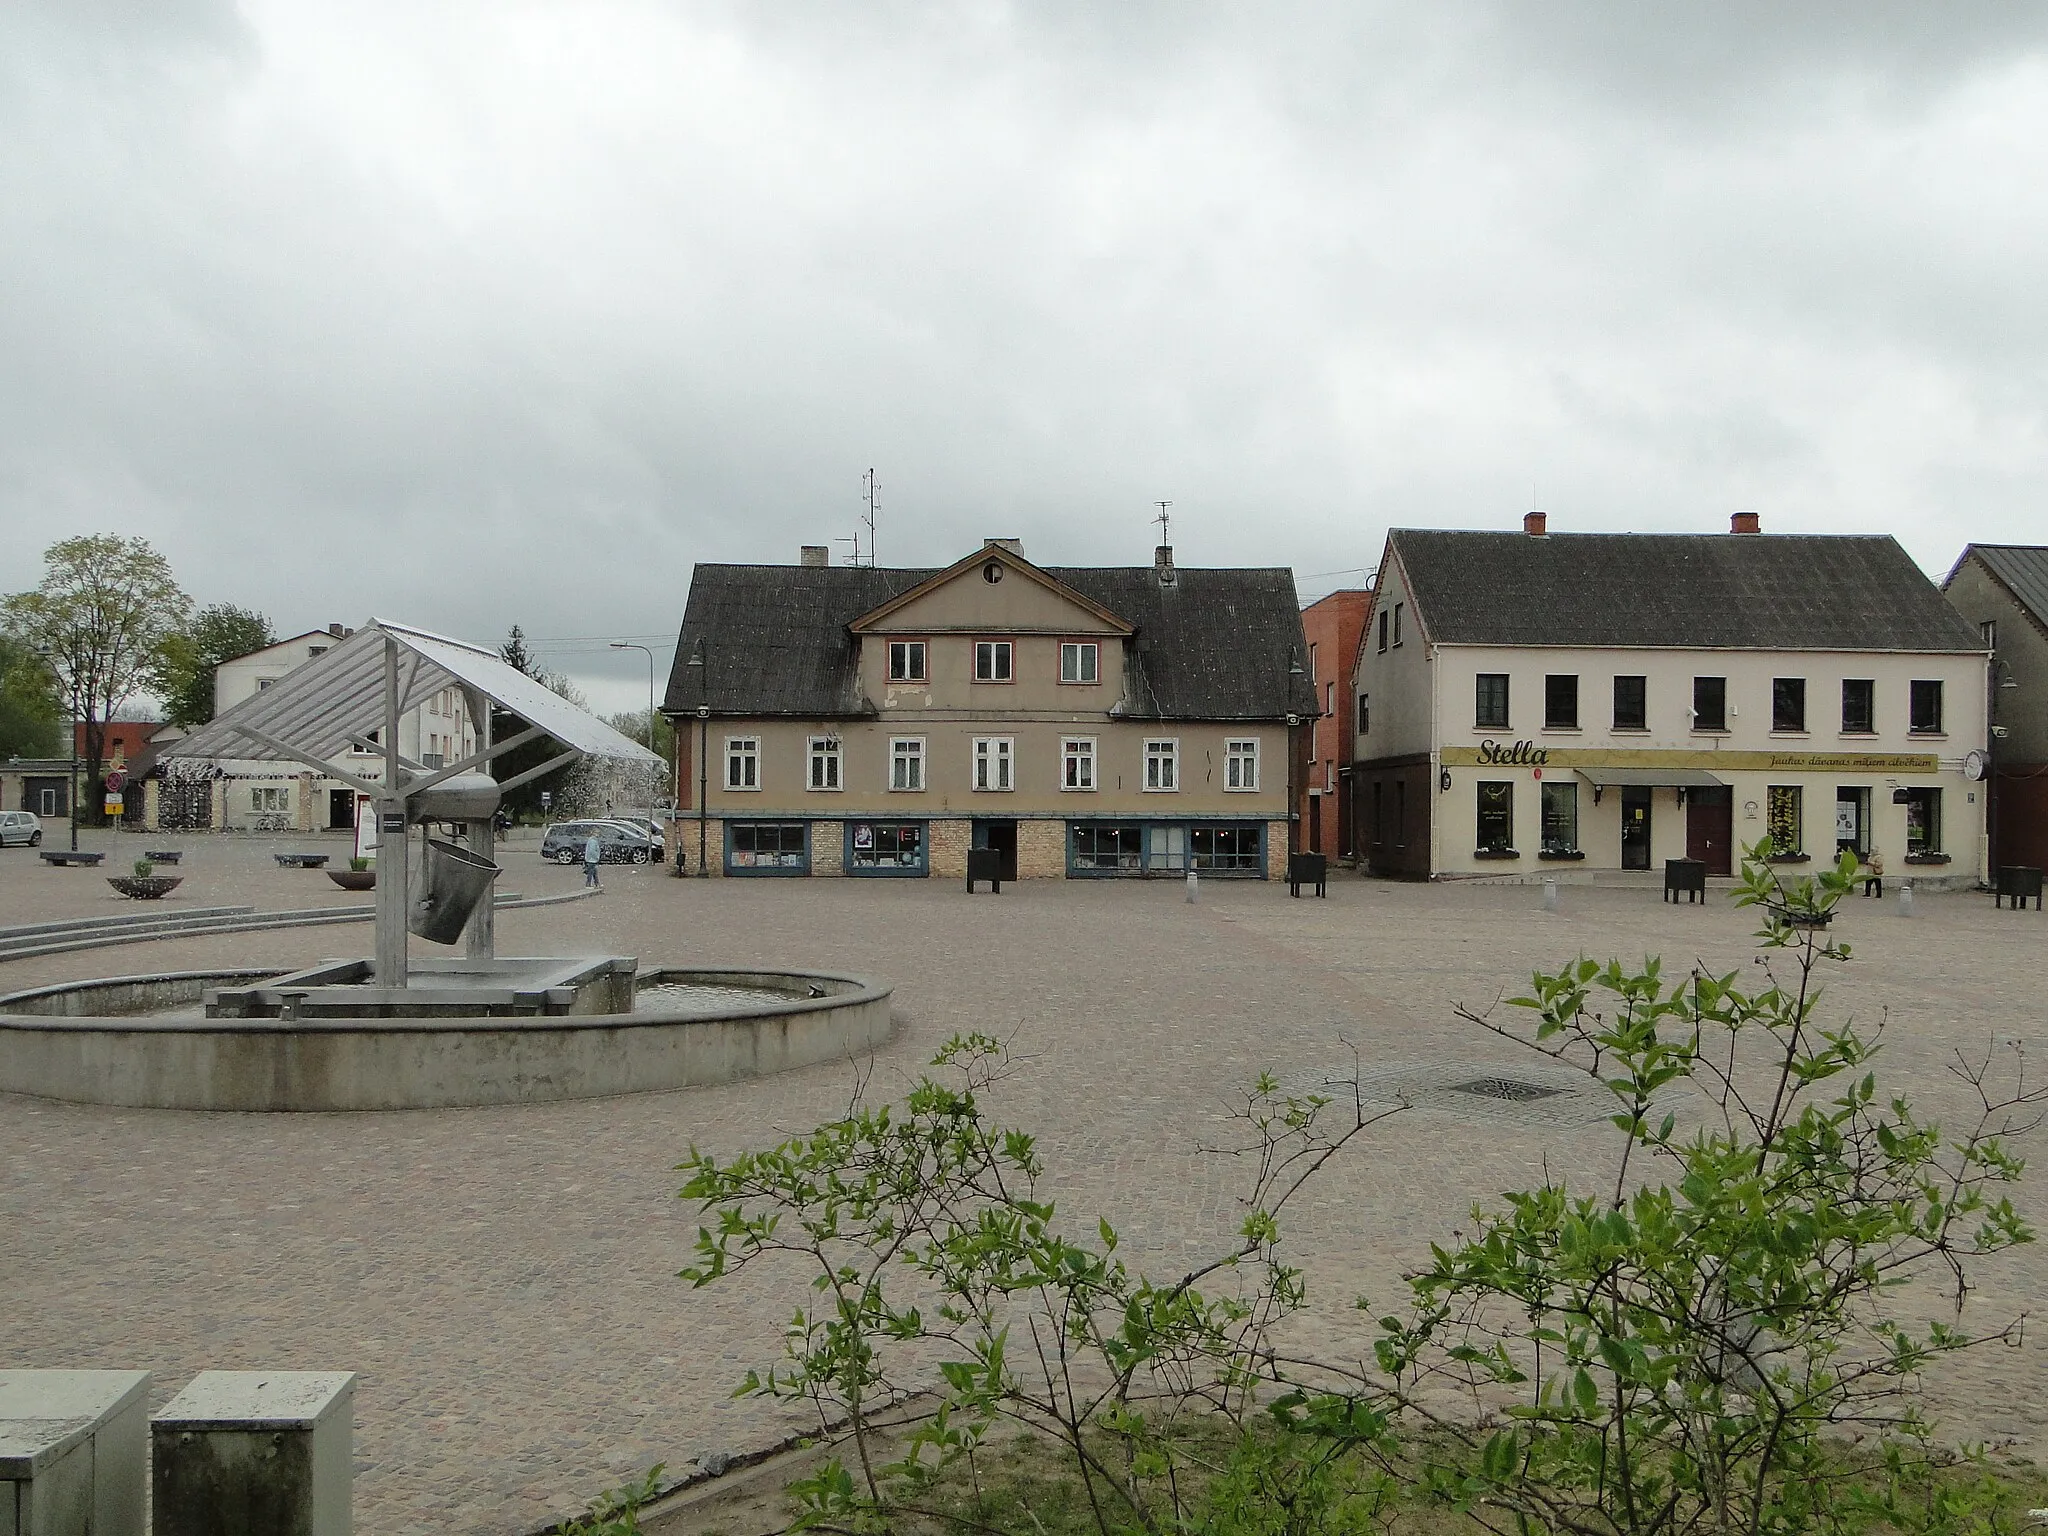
(949, 848)
(828, 848)
(1041, 850)
(1276, 850)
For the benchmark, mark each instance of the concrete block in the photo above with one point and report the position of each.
(73, 1446)
(255, 1453)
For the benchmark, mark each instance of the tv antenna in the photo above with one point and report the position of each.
(874, 500)
(1164, 521)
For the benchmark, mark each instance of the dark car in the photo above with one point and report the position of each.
(563, 843)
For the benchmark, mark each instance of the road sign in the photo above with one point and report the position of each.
(117, 780)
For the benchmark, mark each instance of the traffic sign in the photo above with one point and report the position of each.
(117, 780)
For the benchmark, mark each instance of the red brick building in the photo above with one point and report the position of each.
(1333, 628)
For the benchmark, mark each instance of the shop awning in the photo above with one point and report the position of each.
(1656, 778)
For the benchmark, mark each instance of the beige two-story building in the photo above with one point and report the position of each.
(1541, 703)
(1081, 721)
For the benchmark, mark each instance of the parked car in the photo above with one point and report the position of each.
(653, 829)
(618, 843)
(24, 827)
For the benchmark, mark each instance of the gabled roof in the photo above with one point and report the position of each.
(1213, 645)
(2022, 569)
(326, 635)
(1009, 559)
(318, 706)
(1726, 591)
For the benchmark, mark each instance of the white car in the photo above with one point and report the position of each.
(24, 827)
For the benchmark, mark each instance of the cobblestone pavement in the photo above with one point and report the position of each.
(504, 1278)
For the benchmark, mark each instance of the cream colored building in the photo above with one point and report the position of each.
(262, 795)
(1080, 722)
(1539, 704)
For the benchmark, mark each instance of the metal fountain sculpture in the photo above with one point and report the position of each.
(339, 715)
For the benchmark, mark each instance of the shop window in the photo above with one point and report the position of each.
(1107, 847)
(1496, 825)
(885, 847)
(1923, 822)
(1925, 718)
(1560, 816)
(762, 845)
(906, 661)
(1166, 850)
(1859, 706)
(1561, 702)
(1788, 703)
(1631, 703)
(1852, 819)
(1227, 850)
(743, 762)
(1710, 703)
(1162, 766)
(1241, 764)
(1784, 818)
(991, 661)
(906, 762)
(993, 760)
(1077, 763)
(825, 763)
(1079, 661)
(1490, 702)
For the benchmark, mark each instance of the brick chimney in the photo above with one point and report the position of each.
(1162, 564)
(1536, 524)
(1743, 522)
(336, 630)
(815, 554)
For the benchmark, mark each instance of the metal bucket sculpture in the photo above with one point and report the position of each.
(455, 883)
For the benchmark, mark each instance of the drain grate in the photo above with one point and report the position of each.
(1512, 1089)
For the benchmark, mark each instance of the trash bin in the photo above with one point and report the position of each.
(453, 882)
(1307, 869)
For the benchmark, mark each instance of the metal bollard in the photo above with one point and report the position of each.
(1194, 885)
(1550, 894)
(1905, 898)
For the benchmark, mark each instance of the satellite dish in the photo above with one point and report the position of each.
(1973, 766)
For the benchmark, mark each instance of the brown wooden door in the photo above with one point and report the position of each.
(1710, 828)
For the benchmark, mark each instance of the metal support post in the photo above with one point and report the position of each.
(480, 934)
(394, 844)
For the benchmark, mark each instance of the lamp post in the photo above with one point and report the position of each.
(71, 730)
(700, 658)
(627, 645)
(2001, 678)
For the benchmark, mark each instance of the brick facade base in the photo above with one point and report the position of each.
(948, 854)
(1276, 850)
(1041, 850)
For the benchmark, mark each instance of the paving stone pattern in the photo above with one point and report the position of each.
(504, 1278)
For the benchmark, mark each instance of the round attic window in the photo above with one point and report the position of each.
(992, 572)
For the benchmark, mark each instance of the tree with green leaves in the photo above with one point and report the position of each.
(218, 632)
(517, 653)
(31, 708)
(102, 615)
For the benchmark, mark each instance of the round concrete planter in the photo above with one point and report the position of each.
(96, 1042)
(354, 879)
(145, 887)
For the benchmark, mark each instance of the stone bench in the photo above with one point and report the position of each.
(163, 855)
(69, 856)
(300, 860)
(266, 1451)
(72, 1452)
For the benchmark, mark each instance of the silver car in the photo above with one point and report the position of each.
(24, 828)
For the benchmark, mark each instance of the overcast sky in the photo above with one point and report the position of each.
(474, 314)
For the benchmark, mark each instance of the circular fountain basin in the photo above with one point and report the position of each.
(145, 1042)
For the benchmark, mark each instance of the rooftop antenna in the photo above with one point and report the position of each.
(1164, 522)
(854, 558)
(874, 498)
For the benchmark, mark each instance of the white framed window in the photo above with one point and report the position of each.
(995, 762)
(1080, 661)
(742, 762)
(1241, 763)
(906, 661)
(1077, 762)
(906, 762)
(991, 661)
(825, 763)
(1162, 765)
(269, 799)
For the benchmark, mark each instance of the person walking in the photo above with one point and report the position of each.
(1873, 874)
(593, 850)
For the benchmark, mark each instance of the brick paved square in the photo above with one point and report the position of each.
(504, 1277)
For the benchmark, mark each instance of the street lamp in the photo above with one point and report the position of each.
(627, 645)
(71, 730)
(700, 658)
(2001, 678)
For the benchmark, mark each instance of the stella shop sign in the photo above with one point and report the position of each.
(1521, 754)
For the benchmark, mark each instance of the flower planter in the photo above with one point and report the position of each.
(354, 879)
(145, 887)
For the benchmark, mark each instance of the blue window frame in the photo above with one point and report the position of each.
(1134, 849)
(767, 848)
(888, 849)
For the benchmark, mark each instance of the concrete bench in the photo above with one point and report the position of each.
(300, 860)
(72, 1449)
(69, 856)
(267, 1451)
(163, 855)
